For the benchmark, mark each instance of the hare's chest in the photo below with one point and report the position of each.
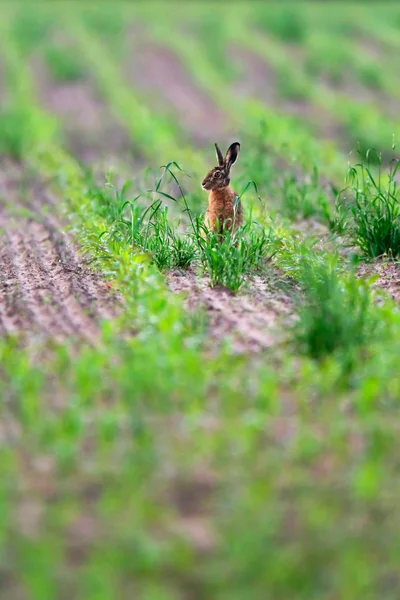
(224, 208)
(222, 201)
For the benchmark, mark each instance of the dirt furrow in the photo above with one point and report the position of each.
(59, 282)
(86, 286)
(250, 321)
(12, 310)
(388, 277)
(46, 289)
(44, 293)
(34, 288)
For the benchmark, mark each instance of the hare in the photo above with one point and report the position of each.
(224, 209)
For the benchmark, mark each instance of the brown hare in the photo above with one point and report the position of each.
(224, 209)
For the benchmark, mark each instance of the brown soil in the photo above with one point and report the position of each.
(192, 495)
(249, 321)
(388, 277)
(46, 290)
(162, 77)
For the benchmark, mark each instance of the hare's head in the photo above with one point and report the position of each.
(219, 177)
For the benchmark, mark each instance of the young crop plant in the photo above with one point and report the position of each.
(147, 228)
(286, 24)
(337, 316)
(371, 203)
(29, 26)
(13, 131)
(292, 85)
(63, 64)
(371, 76)
(213, 28)
(18, 128)
(229, 258)
(305, 199)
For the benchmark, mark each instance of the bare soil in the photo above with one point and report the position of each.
(388, 277)
(251, 321)
(46, 289)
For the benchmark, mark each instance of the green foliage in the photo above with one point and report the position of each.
(230, 258)
(63, 64)
(286, 23)
(371, 76)
(211, 29)
(20, 126)
(141, 225)
(337, 315)
(292, 86)
(372, 205)
(104, 20)
(327, 57)
(258, 161)
(13, 127)
(305, 199)
(30, 26)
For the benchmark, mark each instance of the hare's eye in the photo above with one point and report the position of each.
(218, 174)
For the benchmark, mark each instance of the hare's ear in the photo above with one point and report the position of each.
(232, 155)
(220, 156)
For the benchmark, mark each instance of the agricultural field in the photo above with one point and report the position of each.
(184, 416)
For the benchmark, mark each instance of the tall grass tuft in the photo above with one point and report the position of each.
(229, 258)
(148, 229)
(372, 204)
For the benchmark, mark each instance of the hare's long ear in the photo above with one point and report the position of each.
(232, 155)
(220, 156)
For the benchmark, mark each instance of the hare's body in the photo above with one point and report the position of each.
(224, 209)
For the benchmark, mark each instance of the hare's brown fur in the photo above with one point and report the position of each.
(224, 209)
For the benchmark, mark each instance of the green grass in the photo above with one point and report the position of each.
(372, 203)
(305, 199)
(338, 314)
(287, 24)
(159, 462)
(229, 261)
(18, 129)
(148, 229)
(63, 64)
